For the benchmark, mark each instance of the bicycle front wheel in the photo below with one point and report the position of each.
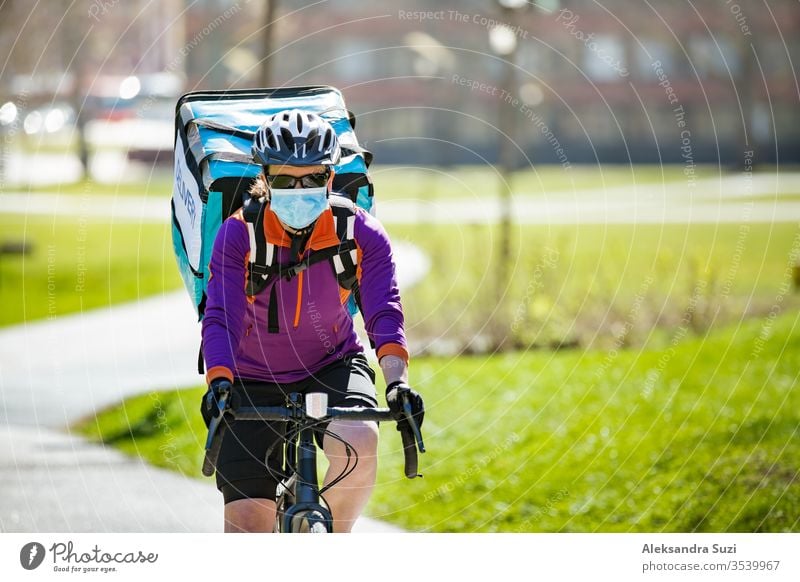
(311, 522)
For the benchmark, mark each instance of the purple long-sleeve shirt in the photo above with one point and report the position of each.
(314, 326)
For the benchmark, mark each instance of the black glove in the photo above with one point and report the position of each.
(210, 404)
(396, 393)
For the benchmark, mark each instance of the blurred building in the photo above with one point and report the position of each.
(614, 80)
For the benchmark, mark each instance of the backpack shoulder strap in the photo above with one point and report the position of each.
(337, 201)
(262, 253)
(345, 263)
(263, 266)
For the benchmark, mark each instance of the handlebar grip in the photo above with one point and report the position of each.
(212, 452)
(410, 454)
(216, 430)
(412, 423)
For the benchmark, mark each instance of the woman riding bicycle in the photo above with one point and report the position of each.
(296, 334)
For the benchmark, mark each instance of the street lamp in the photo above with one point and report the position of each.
(513, 4)
(503, 42)
(267, 41)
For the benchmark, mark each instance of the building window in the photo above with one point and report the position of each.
(355, 60)
(533, 57)
(604, 58)
(712, 60)
(655, 51)
(774, 57)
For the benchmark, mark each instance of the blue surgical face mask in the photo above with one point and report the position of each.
(299, 207)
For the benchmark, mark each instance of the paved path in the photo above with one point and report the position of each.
(95, 359)
(53, 482)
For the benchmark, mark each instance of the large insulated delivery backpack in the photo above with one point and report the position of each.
(214, 168)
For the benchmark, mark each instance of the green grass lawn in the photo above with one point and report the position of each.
(699, 436)
(771, 199)
(586, 285)
(159, 184)
(591, 284)
(76, 265)
(582, 285)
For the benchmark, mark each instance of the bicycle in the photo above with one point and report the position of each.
(299, 507)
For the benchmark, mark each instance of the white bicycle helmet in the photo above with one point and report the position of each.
(296, 138)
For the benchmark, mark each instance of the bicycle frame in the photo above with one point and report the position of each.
(303, 484)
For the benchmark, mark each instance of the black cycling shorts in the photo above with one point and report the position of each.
(241, 469)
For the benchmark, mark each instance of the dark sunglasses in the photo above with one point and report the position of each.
(284, 181)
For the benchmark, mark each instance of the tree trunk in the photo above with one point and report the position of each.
(270, 9)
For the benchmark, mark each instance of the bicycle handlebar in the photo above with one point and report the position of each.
(411, 440)
(284, 413)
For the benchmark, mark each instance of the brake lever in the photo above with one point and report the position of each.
(408, 413)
